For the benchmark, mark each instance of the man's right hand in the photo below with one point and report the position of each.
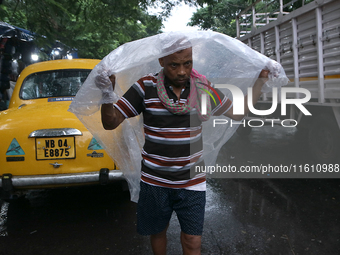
(111, 117)
(103, 81)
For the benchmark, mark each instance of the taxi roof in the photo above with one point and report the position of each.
(60, 64)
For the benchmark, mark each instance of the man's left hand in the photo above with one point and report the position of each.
(264, 75)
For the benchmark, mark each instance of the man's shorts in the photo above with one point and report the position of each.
(156, 204)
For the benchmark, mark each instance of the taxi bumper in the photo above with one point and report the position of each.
(9, 182)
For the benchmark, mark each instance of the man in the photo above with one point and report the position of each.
(172, 129)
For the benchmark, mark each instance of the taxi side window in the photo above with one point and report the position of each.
(29, 91)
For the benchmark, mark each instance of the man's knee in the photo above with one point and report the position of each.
(160, 234)
(191, 242)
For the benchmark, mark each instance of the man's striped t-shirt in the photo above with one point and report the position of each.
(173, 143)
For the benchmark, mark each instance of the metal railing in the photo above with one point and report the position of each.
(252, 17)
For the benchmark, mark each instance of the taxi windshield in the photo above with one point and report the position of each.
(56, 83)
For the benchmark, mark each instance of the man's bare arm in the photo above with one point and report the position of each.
(111, 117)
(263, 77)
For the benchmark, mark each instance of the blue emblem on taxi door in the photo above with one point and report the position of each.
(94, 145)
(14, 149)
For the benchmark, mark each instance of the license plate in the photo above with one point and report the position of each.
(55, 148)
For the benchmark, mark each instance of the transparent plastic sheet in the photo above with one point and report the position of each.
(224, 60)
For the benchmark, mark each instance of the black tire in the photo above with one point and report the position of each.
(324, 139)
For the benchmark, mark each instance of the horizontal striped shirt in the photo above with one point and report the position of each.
(173, 143)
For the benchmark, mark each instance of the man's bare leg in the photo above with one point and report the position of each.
(159, 242)
(191, 244)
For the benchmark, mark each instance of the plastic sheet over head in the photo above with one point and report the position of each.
(222, 59)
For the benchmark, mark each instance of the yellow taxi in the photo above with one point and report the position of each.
(42, 144)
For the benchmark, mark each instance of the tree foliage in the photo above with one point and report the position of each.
(94, 27)
(220, 15)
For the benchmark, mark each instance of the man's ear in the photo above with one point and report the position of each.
(161, 61)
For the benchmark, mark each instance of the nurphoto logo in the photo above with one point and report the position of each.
(238, 104)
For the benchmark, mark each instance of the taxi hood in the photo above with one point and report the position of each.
(32, 116)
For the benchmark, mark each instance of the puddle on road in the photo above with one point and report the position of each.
(271, 216)
(245, 217)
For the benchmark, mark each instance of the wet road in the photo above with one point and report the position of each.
(243, 216)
